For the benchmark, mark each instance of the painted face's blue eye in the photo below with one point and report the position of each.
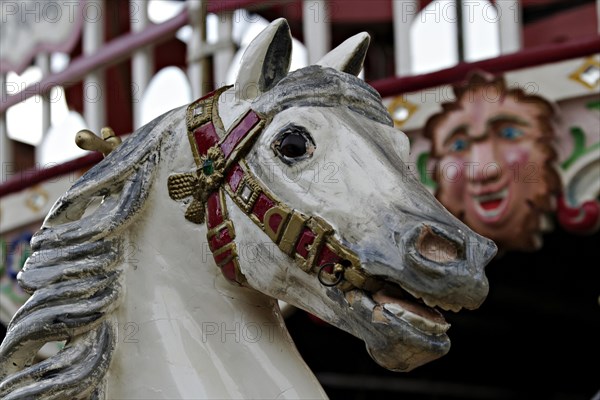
(459, 145)
(511, 133)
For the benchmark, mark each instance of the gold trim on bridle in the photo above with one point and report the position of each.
(200, 185)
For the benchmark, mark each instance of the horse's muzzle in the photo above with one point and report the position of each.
(446, 264)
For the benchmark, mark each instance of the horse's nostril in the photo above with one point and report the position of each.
(435, 247)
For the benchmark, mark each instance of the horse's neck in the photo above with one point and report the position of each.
(185, 332)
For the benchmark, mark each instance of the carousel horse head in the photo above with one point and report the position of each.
(297, 184)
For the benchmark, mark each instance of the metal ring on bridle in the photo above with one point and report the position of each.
(339, 275)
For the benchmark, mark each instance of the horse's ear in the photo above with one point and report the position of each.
(348, 56)
(266, 60)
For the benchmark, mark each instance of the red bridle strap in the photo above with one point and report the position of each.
(308, 240)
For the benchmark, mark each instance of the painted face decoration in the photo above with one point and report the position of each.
(493, 152)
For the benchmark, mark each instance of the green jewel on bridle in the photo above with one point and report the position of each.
(200, 184)
(221, 170)
(210, 174)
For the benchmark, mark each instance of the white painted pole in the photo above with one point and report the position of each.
(6, 148)
(142, 62)
(404, 12)
(510, 25)
(42, 60)
(196, 62)
(94, 84)
(316, 23)
(223, 56)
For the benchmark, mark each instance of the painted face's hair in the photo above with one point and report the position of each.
(316, 86)
(497, 90)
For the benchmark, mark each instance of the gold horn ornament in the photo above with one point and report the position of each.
(87, 140)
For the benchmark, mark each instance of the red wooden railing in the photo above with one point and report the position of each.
(387, 87)
(116, 51)
(522, 59)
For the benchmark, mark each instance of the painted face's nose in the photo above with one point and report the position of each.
(449, 262)
(484, 167)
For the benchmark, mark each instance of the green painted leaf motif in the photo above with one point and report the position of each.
(579, 149)
(593, 105)
(422, 168)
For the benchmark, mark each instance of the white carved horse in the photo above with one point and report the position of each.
(293, 187)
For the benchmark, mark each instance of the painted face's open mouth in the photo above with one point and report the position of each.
(490, 206)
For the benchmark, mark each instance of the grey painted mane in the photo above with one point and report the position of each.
(74, 275)
(319, 86)
(75, 271)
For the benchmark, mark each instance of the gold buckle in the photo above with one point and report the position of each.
(283, 212)
(225, 224)
(292, 232)
(322, 230)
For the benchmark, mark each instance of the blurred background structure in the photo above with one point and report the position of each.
(69, 65)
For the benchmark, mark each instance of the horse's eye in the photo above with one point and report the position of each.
(293, 144)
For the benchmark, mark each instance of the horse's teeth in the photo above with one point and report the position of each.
(351, 296)
(450, 307)
(378, 316)
(429, 302)
(432, 303)
(419, 322)
(395, 309)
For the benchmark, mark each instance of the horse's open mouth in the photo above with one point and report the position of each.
(392, 302)
(400, 330)
(399, 302)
